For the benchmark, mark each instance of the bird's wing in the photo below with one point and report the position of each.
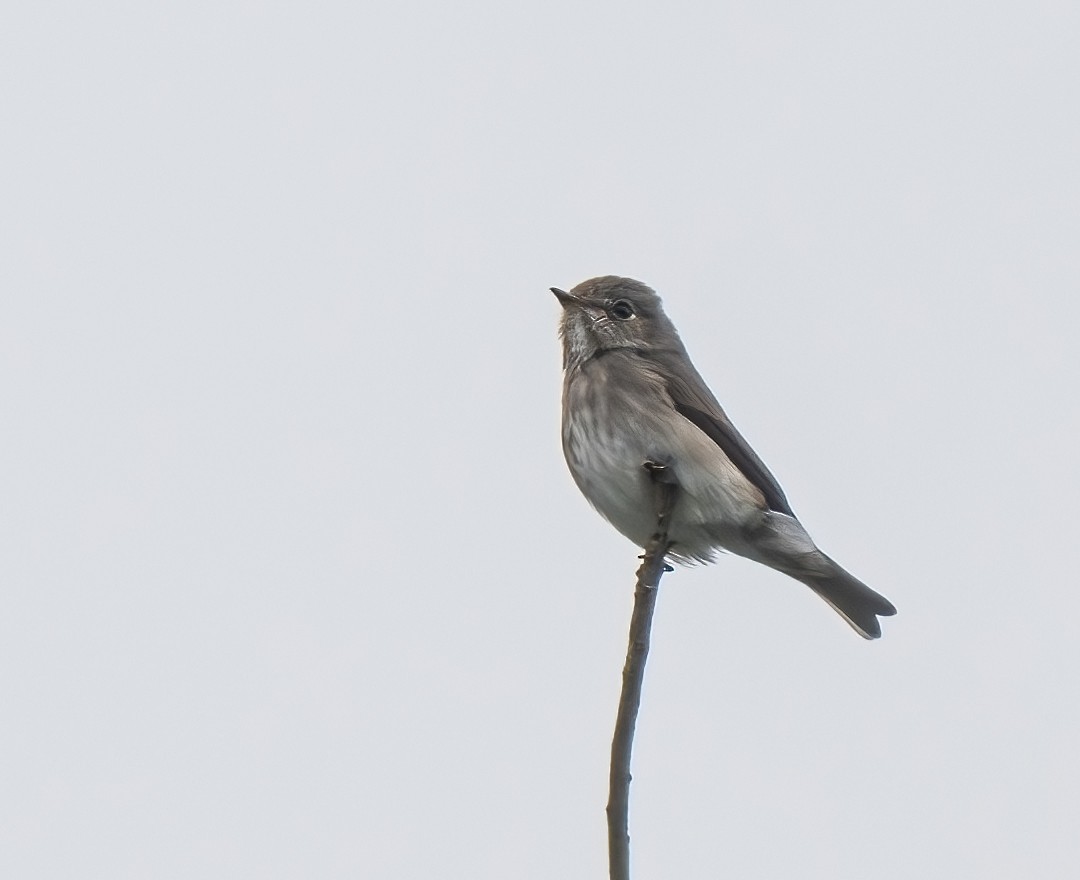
(695, 402)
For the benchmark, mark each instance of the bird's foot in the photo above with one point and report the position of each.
(659, 473)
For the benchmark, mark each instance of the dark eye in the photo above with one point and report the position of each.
(622, 310)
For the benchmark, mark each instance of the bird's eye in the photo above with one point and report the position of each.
(622, 310)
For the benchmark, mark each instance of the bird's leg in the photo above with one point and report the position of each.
(663, 479)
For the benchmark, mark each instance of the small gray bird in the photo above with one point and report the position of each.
(632, 400)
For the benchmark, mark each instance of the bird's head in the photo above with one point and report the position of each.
(607, 313)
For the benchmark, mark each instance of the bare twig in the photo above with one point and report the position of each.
(637, 652)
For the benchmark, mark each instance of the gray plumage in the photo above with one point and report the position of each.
(631, 396)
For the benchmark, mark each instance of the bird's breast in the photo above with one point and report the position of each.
(613, 423)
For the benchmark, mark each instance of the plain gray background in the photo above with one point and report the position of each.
(295, 582)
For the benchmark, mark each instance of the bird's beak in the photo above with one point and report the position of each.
(567, 299)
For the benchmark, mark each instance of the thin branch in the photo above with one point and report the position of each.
(637, 652)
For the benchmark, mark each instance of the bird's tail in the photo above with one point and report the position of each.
(853, 600)
(784, 545)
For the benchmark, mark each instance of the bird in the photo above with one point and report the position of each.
(632, 403)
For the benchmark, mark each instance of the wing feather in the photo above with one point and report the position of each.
(695, 402)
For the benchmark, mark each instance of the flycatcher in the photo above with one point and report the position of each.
(632, 400)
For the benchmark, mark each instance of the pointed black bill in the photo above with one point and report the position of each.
(567, 299)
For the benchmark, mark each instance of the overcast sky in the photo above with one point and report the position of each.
(295, 581)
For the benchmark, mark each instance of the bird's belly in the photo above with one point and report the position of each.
(606, 460)
(608, 470)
